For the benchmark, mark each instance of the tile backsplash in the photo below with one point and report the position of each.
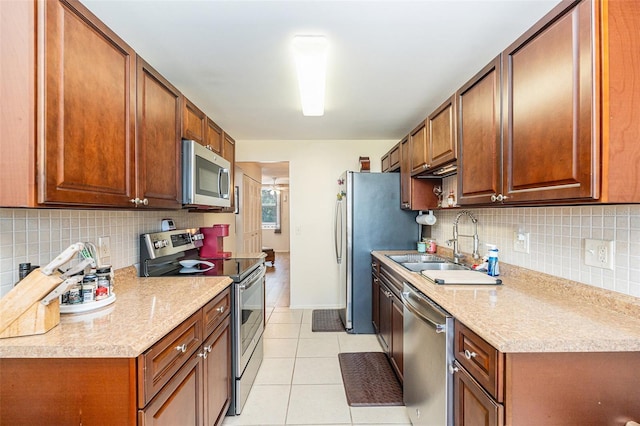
(38, 235)
(557, 240)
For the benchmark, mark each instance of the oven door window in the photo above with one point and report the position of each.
(251, 313)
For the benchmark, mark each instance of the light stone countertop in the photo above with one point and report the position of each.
(536, 312)
(145, 310)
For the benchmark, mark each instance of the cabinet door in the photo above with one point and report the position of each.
(471, 405)
(385, 317)
(441, 134)
(375, 302)
(385, 163)
(88, 134)
(397, 330)
(217, 374)
(405, 174)
(158, 139)
(229, 154)
(214, 136)
(550, 145)
(418, 146)
(180, 402)
(479, 137)
(194, 122)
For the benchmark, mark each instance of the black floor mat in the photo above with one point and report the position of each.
(369, 380)
(326, 320)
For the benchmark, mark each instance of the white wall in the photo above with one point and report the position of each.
(314, 168)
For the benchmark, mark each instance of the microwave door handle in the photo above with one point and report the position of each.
(220, 170)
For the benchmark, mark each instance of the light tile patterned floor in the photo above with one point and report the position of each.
(299, 382)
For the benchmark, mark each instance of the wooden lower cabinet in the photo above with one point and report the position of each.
(388, 315)
(164, 386)
(532, 389)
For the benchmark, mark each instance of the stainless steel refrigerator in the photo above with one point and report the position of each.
(367, 217)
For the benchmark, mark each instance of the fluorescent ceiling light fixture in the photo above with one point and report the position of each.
(310, 54)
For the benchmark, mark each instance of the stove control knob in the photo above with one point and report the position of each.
(157, 244)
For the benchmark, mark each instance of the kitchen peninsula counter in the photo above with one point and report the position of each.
(145, 310)
(536, 312)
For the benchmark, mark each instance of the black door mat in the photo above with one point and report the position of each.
(369, 380)
(326, 320)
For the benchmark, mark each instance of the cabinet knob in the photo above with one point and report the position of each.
(425, 166)
(220, 309)
(502, 197)
(453, 369)
(494, 198)
(468, 354)
(203, 354)
(144, 202)
(182, 348)
(208, 348)
(134, 201)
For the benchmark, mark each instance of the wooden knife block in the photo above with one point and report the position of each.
(22, 314)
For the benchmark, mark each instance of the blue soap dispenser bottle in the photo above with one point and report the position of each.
(493, 268)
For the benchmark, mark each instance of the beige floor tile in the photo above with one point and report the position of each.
(318, 404)
(282, 331)
(317, 371)
(307, 316)
(275, 371)
(318, 348)
(306, 333)
(359, 343)
(290, 317)
(379, 415)
(266, 405)
(280, 348)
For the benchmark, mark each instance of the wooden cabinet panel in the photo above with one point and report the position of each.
(217, 373)
(88, 135)
(251, 215)
(479, 137)
(375, 303)
(418, 148)
(405, 174)
(194, 122)
(229, 154)
(214, 312)
(442, 134)
(214, 136)
(391, 160)
(385, 163)
(162, 360)
(158, 139)
(397, 333)
(415, 194)
(180, 401)
(482, 360)
(471, 405)
(385, 317)
(549, 142)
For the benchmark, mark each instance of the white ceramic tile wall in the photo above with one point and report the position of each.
(38, 235)
(556, 239)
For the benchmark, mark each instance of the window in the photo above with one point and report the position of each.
(270, 208)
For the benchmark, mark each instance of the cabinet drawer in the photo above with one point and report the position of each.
(481, 360)
(216, 310)
(157, 365)
(375, 266)
(394, 283)
(472, 405)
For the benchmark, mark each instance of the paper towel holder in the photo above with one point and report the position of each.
(426, 219)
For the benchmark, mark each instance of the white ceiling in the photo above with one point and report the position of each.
(390, 62)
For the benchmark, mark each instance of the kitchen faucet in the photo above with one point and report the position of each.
(457, 256)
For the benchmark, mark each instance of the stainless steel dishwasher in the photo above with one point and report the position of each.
(428, 352)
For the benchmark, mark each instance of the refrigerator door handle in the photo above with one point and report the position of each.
(337, 232)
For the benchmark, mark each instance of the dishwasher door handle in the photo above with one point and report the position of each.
(440, 328)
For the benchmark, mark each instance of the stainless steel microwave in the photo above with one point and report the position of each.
(205, 176)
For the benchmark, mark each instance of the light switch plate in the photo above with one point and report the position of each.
(521, 242)
(599, 253)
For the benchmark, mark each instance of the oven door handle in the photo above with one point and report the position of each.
(253, 280)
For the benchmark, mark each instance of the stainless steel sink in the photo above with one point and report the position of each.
(432, 266)
(416, 258)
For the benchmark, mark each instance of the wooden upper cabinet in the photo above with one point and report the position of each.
(88, 136)
(441, 134)
(418, 149)
(158, 139)
(549, 140)
(194, 122)
(479, 137)
(214, 136)
(405, 174)
(391, 160)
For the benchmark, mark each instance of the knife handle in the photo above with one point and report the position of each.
(62, 258)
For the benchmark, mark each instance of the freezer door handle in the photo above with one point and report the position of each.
(337, 232)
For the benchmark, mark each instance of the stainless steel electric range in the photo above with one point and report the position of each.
(175, 253)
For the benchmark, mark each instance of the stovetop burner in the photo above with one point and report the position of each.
(161, 253)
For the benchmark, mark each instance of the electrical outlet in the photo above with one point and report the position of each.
(521, 242)
(599, 253)
(104, 249)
